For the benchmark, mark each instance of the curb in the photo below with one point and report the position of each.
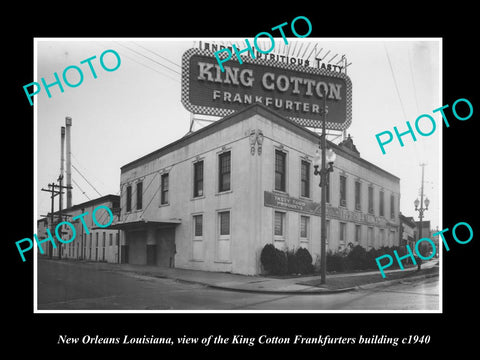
(284, 292)
(316, 291)
(390, 282)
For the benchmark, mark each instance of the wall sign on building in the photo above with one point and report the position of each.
(286, 202)
(295, 92)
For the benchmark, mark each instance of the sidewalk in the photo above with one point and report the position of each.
(335, 283)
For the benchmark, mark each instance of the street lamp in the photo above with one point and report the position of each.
(421, 209)
(328, 156)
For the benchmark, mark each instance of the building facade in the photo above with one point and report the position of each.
(96, 244)
(212, 199)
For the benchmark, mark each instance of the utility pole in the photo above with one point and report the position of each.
(52, 227)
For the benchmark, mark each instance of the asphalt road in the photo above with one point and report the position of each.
(67, 286)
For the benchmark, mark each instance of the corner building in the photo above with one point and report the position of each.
(212, 199)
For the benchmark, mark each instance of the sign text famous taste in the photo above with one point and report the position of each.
(221, 58)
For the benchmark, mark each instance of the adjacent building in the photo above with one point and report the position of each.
(96, 244)
(212, 199)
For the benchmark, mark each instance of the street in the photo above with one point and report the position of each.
(67, 286)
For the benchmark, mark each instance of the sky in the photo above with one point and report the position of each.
(127, 113)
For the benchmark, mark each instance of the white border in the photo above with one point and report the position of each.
(35, 202)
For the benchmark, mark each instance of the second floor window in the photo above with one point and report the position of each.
(392, 206)
(305, 179)
(358, 199)
(129, 198)
(139, 195)
(164, 189)
(381, 204)
(370, 200)
(224, 169)
(280, 167)
(343, 190)
(198, 179)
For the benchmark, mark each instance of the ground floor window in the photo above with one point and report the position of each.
(358, 234)
(197, 253)
(279, 228)
(304, 231)
(382, 238)
(370, 243)
(343, 234)
(223, 237)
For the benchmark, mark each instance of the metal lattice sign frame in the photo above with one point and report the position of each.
(206, 92)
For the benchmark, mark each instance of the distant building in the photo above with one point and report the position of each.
(100, 244)
(408, 230)
(212, 199)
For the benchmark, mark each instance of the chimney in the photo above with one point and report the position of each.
(62, 160)
(68, 124)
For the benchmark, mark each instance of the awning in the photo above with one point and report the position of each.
(141, 224)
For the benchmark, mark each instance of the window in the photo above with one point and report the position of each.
(304, 224)
(280, 166)
(305, 179)
(304, 231)
(129, 198)
(224, 223)
(110, 240)
(392, 206)
(381, 208)
(224, 169)
(139, 195)
(382, 237)
(343, 233)
(116, 239)
(103, 239)
(164, 189)
(358, 199)
(223, 242)
(358, 234)
(198, 179)
(343, 190)
(370, 200)
(198, 237)
(90, 247)
(198, 225)
(370, 238)
(279, 223)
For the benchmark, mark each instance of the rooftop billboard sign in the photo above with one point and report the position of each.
(293, 91)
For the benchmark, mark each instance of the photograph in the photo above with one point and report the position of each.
(279, 173)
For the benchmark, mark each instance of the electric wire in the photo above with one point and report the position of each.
(153, 52)
(89, 183)
(395, 81)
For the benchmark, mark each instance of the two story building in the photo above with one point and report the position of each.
(212, 199)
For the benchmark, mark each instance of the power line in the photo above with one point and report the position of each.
(153, 52)
(395, 81)
(83, 192)
(413, 79)
(73, 166)
(149, 67)
(149, 58)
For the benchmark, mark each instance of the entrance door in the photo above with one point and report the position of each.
(166, 247)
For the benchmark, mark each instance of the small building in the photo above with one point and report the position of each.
(96, 244)
(212, 199)
(408, 230)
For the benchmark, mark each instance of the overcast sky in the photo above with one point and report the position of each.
(136, 109)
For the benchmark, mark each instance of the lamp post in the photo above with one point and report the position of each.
(328, 155)
(421, 209)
